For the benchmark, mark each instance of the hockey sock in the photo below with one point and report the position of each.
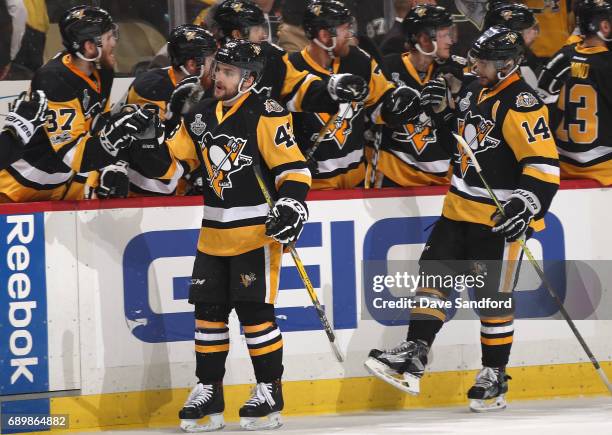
(263, 338)
(496, 341)
(428, 316)
(211, 342)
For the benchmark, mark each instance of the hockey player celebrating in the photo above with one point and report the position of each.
(25, 117)
(239, 251)
(282, 80)
(584, 132)
(340, 158)
(506, 126)
(77, 84)
(191, 50)
(416, 153)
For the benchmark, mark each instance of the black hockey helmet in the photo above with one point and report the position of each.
(498, 43)
(189, 41)
(590, 13)
(325, 15)
(84, 23)
(425, 18)
(514, 16)
(246, 55)
(237, 15)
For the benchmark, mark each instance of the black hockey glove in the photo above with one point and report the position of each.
(122, 128)
(114, 182)
(347, 87)
(26, 116)
(554, 73)
(401, 106)
(519, 211)
(454, 66)
(433, 95)
(185, 90)
(286, 220)
(196, 185)
(153, 135)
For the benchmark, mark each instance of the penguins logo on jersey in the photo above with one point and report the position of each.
(223, 156)
(342, 128)
(419, 134)
(475, 130)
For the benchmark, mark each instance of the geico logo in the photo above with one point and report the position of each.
(18, 287)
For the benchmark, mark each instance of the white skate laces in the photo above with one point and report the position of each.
(262, 393)
(488, 392)
(199, 395)
(486, 378)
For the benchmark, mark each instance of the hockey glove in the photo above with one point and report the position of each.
(195, 186)
(519, 211)
(27, 116)
(123, 127)
(401, 106)
(347, 87)
(433, 95)
(114, 182)
(286, 220)
(454, 66)
(153, 135)
(554, 73)
(184, 91)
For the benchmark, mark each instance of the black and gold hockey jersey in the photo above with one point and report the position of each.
(254, 131)
(507, 128)
(415, 154)
(57, 159)
(340, 156)
(584, 133)
(297, 88)
(152, 87)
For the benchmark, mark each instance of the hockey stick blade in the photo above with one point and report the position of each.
(538, 269)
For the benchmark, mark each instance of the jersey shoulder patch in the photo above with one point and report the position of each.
(272, 106)
(526, 100)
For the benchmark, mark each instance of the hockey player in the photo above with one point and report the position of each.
(584, 132)
(416, 153)
(506, 126)
(283, 81)
(77, 84)
(239, 251)
(518, 17)
(25, 117)
(340, 158)
(191, 50)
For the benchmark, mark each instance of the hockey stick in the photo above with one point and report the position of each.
(335, 119)
(536, 266)
(302, 272)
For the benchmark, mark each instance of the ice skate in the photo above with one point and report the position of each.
(402, 366)
(262, 410)
(205, 400)
(488, 393)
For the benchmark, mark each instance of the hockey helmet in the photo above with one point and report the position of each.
(425, 18)
(189, 41)
(245, 55)
(590, 13)
(514, 16)
(85, 23)
(238, 15)
(325, 15)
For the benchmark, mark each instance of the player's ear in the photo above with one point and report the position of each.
(248, 82)
(90, 49)
(191, 66)
(324, 36)
(605, 28)
(236, 34)
(424, 42)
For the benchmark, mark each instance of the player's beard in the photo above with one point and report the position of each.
(108, 60)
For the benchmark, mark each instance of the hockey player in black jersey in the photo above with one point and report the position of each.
(518, 17)
(298, 90)
(26, 115)
(506, 125)
(240, 247)
(584, 132)
(191, 50)
(417, 153)
(340, 159)
(77, 138)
